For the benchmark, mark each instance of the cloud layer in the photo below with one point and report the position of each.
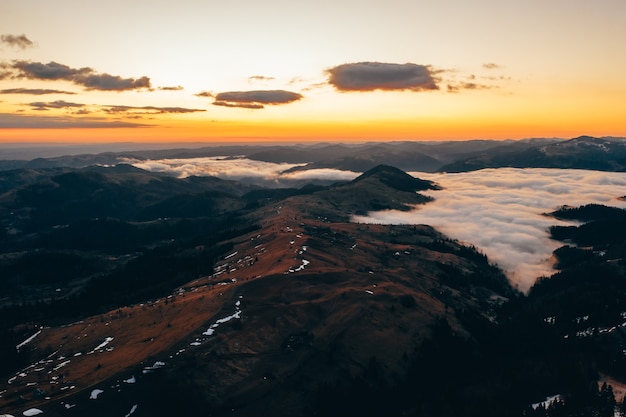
(501, 211)
(370, 76)
(255, 99)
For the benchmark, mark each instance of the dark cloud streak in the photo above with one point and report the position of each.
(260, 78)
(59, 104)
(205, 94)
(115, 109)
(172, 88)
(34, 91)
(14, 121)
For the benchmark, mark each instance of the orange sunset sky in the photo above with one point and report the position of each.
(242, 70)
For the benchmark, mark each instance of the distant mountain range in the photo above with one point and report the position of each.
(607, 154)
(602, 154)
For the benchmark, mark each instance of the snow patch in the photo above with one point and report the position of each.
(132, 410)
(30, 339)
(95, 393)
(101, 345)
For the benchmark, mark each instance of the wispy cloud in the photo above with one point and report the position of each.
(501, 212)
(370, 76)
(172, 88)
(205, 94)
(261, 78)
(491, 65)
(59, 104)
(111, 109)
(33, 91)
(15, 121)
(457, 87)
(117, 109)
(85, 77)
(16, 41)
(256, 99)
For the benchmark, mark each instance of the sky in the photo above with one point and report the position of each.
(276, 70)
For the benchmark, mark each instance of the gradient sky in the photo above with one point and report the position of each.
(203, 70)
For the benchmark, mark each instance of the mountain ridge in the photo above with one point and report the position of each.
(303, 298)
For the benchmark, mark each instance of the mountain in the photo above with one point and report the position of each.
(409, 156)
(366, 158)
(297, 304)
(602, 154)
(381, 188)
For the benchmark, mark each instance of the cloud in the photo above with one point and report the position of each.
(501, 211)
(86, 77)
(491, 65)
(255, 99)
(329, 174)
(260, 78)
(455, 88)
(222, 167)
(238, 105)
(205, 94)
(107, 82)
(59, 104)
(14, 121)
(370, 76)
(172, 88)
(19, 41)
(33, 91)
(115, 109)
(50, 71)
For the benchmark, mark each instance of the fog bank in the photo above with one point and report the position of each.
(243, 169)
(501, 212)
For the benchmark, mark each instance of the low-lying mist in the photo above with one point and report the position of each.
(243, 169)
(502, 212)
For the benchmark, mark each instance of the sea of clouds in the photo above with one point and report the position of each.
(500, 211)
